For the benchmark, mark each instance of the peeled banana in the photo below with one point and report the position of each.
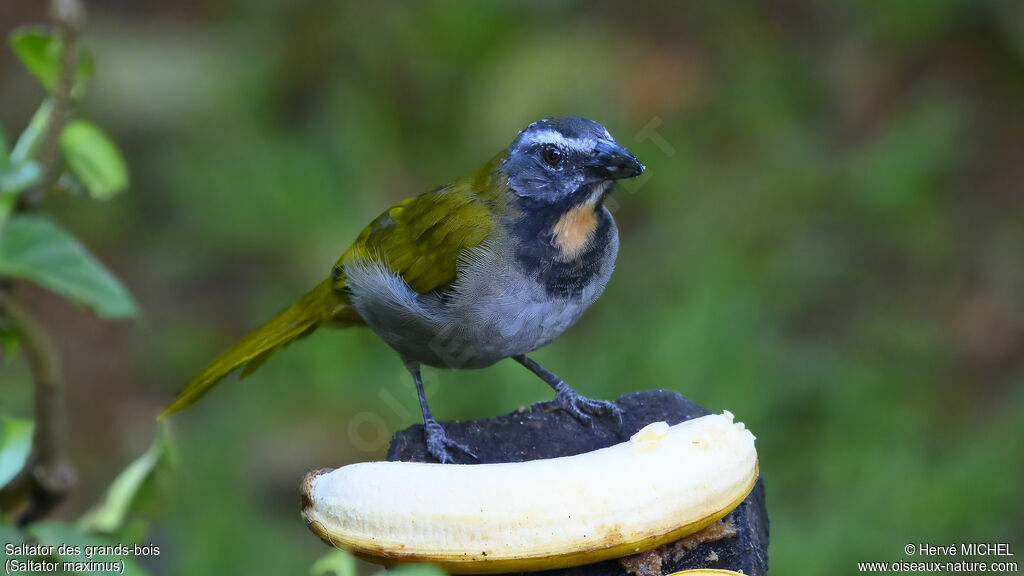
(664, 483)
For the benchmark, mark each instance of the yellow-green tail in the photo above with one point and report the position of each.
(321, 305)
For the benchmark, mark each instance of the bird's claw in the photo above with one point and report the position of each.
(438, 444)
(582, 408)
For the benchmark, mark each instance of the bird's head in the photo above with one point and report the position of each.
(556, 159)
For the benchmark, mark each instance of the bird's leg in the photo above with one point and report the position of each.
(581, 407)
(438, 441)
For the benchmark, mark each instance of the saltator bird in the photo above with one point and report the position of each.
(491, 266)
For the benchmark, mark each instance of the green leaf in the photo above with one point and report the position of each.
(15, 443)
(6, 199)
(335, 563)
(57, 534)
(16, 173)
(39, 50)
(109, 514)
(5, 150)
(133, 530)
(94, 159)
(9, 341)
(18, 177)
(36, 249)
(28, 142)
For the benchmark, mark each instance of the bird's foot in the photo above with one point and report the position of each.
(582, 408)
(439, 444)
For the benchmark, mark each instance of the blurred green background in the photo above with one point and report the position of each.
(829, 242)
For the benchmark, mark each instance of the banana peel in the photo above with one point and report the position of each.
(665, 483)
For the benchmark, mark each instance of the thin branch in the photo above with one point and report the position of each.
(46, 478)
(67, 16)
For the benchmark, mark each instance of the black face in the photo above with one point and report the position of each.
(556, 158)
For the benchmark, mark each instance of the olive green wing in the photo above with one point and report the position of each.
(421, 238)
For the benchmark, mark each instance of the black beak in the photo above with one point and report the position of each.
(610, 161)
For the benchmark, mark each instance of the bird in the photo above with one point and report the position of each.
(493, 265)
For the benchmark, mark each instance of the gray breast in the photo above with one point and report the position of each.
(493, 310)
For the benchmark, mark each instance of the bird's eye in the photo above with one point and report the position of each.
(551, 154)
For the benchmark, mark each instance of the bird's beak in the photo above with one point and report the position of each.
(609, 161)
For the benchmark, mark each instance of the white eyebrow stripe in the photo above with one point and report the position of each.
(549, 137)
(556, 138)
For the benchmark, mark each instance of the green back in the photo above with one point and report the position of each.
(421, 238)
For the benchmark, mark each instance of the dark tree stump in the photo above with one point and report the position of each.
(536, 433)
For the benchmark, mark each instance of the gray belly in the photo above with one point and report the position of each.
(491, 312)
